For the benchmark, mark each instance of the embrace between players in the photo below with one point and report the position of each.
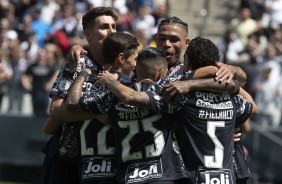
(120, 115)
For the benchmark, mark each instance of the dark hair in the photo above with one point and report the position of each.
(116, 43)
(91, 15)
(175, 20)
(201, 52)
(150, 58)
(150, 54)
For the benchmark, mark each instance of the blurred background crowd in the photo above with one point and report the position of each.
(36, 35)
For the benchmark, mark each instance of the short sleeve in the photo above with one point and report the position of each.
(244, 108)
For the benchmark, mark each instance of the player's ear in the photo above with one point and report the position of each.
(187, 41)
(121, 58)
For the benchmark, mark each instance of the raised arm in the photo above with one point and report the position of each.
(73, 57)
(69, 111)
(75, 92)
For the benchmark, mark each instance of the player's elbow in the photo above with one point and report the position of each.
(48, 130)
(233, 86)
(50, 127)
(255, 110)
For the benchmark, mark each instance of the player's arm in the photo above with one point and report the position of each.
(94, 109)
(228, 72)
(75, 92)
(61, 113)
(177, 88)
(222, 72)
(69, 110)
(51, 126)
(123, 93)
(205, 72)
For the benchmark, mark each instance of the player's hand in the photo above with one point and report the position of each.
(225, 72)
(174, 90)
(237, 135)
(106, 78)
(73, 58)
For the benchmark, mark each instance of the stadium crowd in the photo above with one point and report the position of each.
(36, 35)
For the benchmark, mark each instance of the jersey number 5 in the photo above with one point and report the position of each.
(215, 161)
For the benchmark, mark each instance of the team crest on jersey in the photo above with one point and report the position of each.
(64, 85)
(157, 97)
(144, 172)
(214, 176)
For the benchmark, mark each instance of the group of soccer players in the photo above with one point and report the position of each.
(125, 127)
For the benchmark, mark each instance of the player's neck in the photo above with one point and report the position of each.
(97, 56)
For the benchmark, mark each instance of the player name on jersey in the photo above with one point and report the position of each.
(212, 97)
(126, 113)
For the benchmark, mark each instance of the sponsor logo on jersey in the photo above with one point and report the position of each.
(214, 106)
(143, 172)
(212, 97)
(214, 177)
(98, 167)
(99, 89)
(157, 97)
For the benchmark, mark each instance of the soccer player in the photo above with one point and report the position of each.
(60, 164)
(205, 123)
(96, 145)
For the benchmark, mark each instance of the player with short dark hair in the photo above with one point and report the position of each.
(97, 146)
(205, 123)
(60, 164)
